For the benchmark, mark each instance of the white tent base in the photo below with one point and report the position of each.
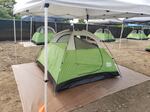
(27, 44)
(30, 84)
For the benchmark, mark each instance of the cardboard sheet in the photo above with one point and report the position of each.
(30, 83)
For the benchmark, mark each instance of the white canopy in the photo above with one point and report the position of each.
(137, 19)
(79, 9)
(105, 21)
(82, 8)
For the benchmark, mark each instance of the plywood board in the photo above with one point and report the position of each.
(30, 83)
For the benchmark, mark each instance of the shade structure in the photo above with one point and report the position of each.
(104, 35)
(38, 37)
(106, 21)
(73, 60)
(137, 35)
(82, 8)
(79, 9)
(137, 19)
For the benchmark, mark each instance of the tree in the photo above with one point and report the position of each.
(81, 21)
(6, 9)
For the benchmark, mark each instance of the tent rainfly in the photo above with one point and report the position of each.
(104, 35)
(79, 9)
(38, 37)
(137, 35)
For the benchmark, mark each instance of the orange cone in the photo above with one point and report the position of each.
(42, 108)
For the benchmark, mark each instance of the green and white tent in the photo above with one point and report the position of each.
(38, 37)
(148, 49)
(148, 36)
(74, 60)
(137, 35)
(104, 35)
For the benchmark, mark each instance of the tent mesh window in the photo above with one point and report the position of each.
(41, 29)
(81, 43)
(64, 39)
(103, 31)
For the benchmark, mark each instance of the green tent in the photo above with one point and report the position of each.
(104, 35)
(148, 49)
(74, 60)
(137, 35)
(38, 37)
(148, 36)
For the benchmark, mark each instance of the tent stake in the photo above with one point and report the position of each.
(46, 6)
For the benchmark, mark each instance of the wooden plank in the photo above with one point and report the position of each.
(30, 83)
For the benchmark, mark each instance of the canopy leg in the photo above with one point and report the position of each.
(87, 23)
(31, 21)
(55, 26)
(21, 30)
(14, 22)
(122, 29)
(46, 6)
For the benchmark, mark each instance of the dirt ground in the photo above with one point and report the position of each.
(131, 54)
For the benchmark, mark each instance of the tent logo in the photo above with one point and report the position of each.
(108, 64)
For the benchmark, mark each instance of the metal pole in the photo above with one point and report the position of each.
(87, 24)
(14, 21)
(122, 28)
(31, 28)
(15, 40)
(55, 26)
(21, 30)
(46, 6)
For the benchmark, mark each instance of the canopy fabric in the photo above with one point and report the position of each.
(137, 19)
(81, 8)
(105, 21)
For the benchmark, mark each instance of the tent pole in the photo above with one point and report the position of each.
(31, 28)
(21, 30)
(122, 28)
(14, 21)
(46, 6)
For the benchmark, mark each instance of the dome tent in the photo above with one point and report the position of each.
(73, 60)
(137, 35)
(104, 35)
(38, 37)
(147, 49)
(148, 36)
